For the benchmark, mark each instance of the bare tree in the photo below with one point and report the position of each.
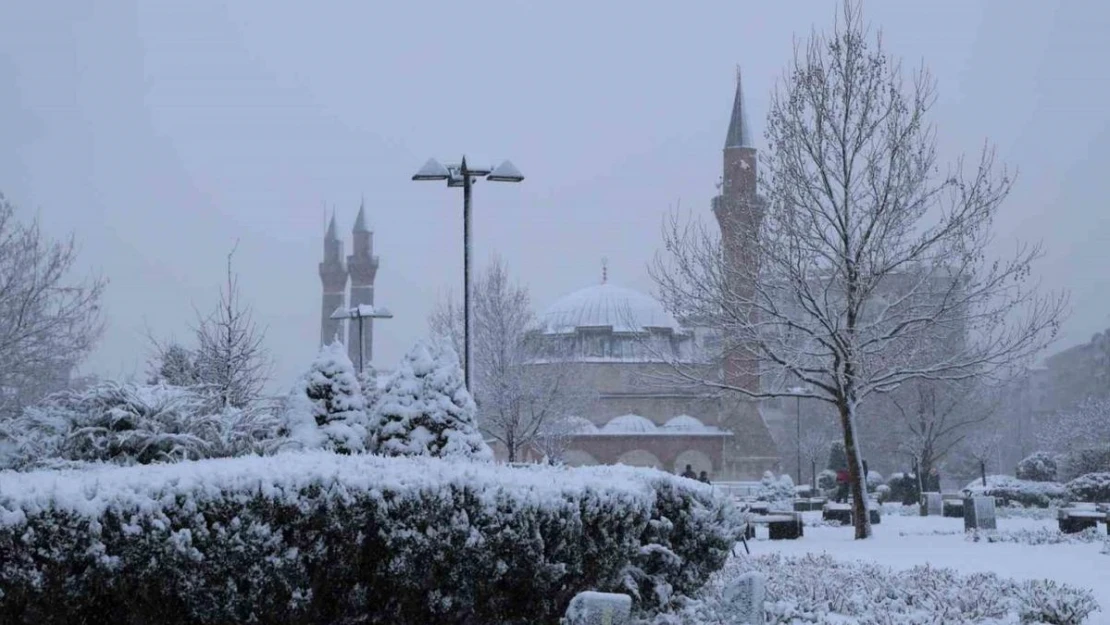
(48, 321)
(863, 259)
(231, 359)
(936, 416)
(523, 387)
(981, 447)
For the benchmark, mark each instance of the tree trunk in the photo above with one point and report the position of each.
(983, 472)
(860, 515)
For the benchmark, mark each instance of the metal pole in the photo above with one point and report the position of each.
(799, 439)
(360, 343)
(467, 373)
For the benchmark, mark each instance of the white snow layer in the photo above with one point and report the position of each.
(150, 489)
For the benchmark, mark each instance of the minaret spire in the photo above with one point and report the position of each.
(604, 270)
(738, 134)
(360, 221)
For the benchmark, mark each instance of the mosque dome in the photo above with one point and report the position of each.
(629, 424)
(580, 425)
(607, 305)
(685, 424)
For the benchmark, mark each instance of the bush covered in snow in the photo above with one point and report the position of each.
(425, 409)
(134, 424)
(1039, 466)
(779, 492)
(317, 537)
(334, 401)
(819, 589)
(1039, 536)
(1093, 487)
(1026, 493)
(826, 480)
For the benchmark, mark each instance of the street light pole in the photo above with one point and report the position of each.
(468, 333)
(462, 175)
(799, 439)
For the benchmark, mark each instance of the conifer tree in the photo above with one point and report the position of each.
(426, 410)
(332, 388)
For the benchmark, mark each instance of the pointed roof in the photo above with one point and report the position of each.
(332, 234)
(360, 221)
(738, 134)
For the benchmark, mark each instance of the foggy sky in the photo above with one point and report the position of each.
(162, 132)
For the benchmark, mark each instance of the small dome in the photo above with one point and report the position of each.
(607, 305)
(580, 425)
(684, 423)
(629, 424)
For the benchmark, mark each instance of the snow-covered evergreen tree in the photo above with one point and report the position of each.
(368, 384)
(426, 409)
(336, 403)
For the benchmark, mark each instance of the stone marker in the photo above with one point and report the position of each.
(979, 513)
(598, 608)
(745, 598)
(932, 504)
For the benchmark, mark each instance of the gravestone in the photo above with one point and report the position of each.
(839, 512)
(786, 526)
(598, 608)
(1073, 521)
(979, 513)
(954, 508)
(744, 598)
(932, 504)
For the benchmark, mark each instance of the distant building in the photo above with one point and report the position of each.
(361, 268)
(622, 339)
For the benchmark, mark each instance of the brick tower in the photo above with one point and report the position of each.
(739, 211)
(333, 276)
(363, 268)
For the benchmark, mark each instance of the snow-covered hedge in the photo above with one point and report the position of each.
(1093, 487)
(317, 537)
(820, 589)
(1039, 536)
(1024, 492)
(1040, 466)
(134, 424)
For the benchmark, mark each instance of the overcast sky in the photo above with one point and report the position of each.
(162, 132)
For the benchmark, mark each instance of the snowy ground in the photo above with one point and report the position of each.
(904, 541)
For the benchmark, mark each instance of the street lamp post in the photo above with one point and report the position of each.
(797, 391)
(462, 175)
(360, 312)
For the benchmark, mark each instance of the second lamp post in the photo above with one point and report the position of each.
(462, 175)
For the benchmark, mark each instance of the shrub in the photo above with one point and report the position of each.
(1025, 493)
(1093, 487)
(426, 410)
(1083, 461)
(135, 424)
(777, 491)
(306, 538)
(874, 480)
(335, 400)
(1038, 467)
(826, 480)
(1045, 601)
(838, 457)
(822, 590)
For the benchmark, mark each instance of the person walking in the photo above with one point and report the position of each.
(704, 477)
(689, 473)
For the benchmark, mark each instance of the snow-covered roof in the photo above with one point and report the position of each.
(581, 425)
(689, 425)
(607, 305)
(629, 424)
(635, 425)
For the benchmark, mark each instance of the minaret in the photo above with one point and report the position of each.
(739, 212)
(363, 267)
(333, 275)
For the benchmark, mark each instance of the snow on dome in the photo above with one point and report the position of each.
(601, 305)
(629, 424)
(580, 425)
(684, 423)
